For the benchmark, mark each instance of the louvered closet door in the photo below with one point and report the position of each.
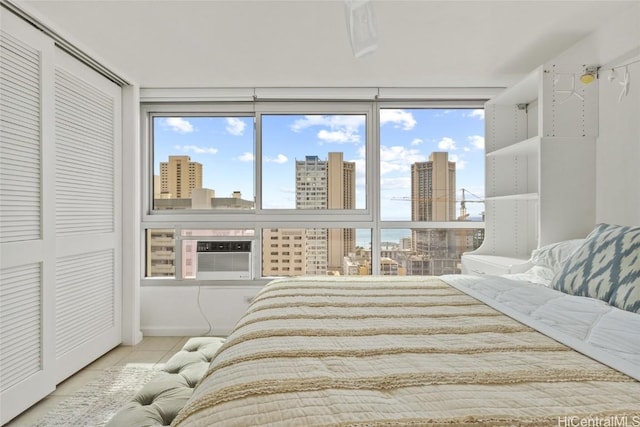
(87, 215)
(26, 243)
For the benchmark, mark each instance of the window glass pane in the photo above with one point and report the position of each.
(203, 163)
(313, 161)
(160, 252)
(432, 251)
(427, 158)
(315, 251)
(161, 259)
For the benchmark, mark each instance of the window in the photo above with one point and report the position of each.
(203, 162)
(326, 251)
(298, 180)
(313, 161)
(426, 251)
(431, 170)
(428, 157)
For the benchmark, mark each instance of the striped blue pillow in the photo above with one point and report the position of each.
(606, 266)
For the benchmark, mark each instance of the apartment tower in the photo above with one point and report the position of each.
(179, 176)
(320, 184)
(433, 189)
(433, 198)
(341, 194)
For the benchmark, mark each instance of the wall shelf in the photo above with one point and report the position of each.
(522, 148)
(540, 168)
(523, 196)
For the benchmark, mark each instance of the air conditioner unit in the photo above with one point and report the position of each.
(224, 260)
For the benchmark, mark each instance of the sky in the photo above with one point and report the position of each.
(225, 148)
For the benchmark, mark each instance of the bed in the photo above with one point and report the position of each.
(449, 350)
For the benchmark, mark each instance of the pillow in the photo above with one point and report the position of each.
(554, 255)
(537, 274)
(606, 266)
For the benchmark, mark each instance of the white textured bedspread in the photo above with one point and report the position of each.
(397, 351)
(588, 325)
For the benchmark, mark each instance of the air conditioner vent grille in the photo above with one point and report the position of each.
(224, 260)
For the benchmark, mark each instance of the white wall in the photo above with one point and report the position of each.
(618, 150)
(618, 145)
(189, 310)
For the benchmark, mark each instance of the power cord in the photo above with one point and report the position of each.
(206, 334)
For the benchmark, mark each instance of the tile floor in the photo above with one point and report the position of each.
(150, 350)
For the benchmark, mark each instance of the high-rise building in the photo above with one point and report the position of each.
(341, 194)
(179, 176)
(283, 252)
(160, 257)
(433, 189)
(311, 183)
(433, 198)
(320, 184)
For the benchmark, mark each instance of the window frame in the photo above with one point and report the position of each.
(259, 218)
(256, 109)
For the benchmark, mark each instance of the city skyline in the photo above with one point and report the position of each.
(325, 184)
(224, 146)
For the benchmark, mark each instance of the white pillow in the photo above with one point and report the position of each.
(554, 255)
(536, 274)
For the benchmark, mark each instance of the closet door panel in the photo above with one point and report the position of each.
(87, 214)
(27, 249)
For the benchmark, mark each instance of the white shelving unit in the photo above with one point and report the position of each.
(540, 168)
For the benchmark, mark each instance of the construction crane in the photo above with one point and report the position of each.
(463, 201)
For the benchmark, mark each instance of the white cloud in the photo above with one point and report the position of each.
(361, 167)
(398, 152)
(309, 121)
(235, 126)
(476, 141)
(332, 122)
(196, 149)
(400, 118)
(479, 113)
(417, 141)
(178, 124)
(280, 158)
(339, 129)
(398, 158)
(447, 143)
(246, 157)
(387, 167)
(460, 164)
(339, 136)
(443, 113)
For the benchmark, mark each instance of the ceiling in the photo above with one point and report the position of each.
(305, 43)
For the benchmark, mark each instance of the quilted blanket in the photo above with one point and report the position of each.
(397, 351)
